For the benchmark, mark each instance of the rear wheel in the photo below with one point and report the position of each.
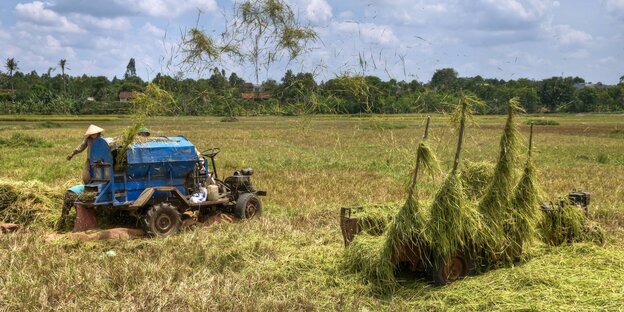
(452, 269)
(248, 206)
(161, 220)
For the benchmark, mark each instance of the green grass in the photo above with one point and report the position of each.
(291, 258)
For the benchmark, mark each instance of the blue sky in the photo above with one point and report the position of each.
(401, 39)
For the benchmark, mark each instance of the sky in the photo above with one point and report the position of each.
(392, 39)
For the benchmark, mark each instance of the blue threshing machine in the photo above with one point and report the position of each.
(160, 179)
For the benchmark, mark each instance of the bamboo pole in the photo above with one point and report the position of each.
(462, 123)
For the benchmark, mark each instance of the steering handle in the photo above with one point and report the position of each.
(211, 152)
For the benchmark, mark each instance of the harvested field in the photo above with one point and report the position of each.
(291, 257)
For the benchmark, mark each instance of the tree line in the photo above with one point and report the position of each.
(221, 93)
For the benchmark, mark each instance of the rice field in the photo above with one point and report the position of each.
(292, 257)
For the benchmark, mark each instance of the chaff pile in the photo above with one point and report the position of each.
(28, 203)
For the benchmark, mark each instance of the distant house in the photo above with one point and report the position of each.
(252, 92)
(255, 96)
(125, 96)
(90, 99)
(7, 91)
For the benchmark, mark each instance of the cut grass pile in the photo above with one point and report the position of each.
(28, 203)
(370, 256)
(377, 257)
(475, 177)
(568, 224)
(525, 214)
(374, 218)
(495, 206)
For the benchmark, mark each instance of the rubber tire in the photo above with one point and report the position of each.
(439, 277)
(163, 214)
(242, 209)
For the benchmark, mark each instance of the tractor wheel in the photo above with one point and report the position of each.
(161, 220)
(248, 206)
(446, 271)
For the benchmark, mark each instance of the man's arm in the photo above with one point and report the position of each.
(79, 149)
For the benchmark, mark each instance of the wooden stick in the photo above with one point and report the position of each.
(412, 187)
(530, 139)
(462, 123)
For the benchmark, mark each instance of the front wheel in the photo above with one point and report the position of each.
(248, 206)
(161, 220)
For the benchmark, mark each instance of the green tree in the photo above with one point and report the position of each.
(557, 93)
(11, 66)
(130, 69)
(62, 64)
(444, 79)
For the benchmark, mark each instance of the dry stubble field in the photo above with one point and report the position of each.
(290, 259)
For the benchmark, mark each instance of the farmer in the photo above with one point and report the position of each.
(93, 132)
(144, 132)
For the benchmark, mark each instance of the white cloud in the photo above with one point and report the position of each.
(369, 32)
(408, 12)
(152, 30)
(615, 7)
(578, 54)
(566, 35)
(318, 11)
(89, 21)
(37, 14)
(526, 10)
(608, 60)
(169, 8)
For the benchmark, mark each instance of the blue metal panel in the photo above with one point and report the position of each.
(166, 161)
(169, 149)
(100, 151)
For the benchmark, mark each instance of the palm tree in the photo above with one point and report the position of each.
(62, 63)
(11, 66)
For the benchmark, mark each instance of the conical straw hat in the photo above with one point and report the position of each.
(93, 129)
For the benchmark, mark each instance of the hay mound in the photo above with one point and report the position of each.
(370, 256)
(562, 224)
(455, 224)
(374, 218)
(526, 214)
(495, 206)
(29, 203)
(475, 177)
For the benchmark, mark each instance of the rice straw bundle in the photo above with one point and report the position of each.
(495, 206)
(526, 212)
(455, 224)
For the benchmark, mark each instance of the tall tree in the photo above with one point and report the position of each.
(11, 66)
(130, 69)
(62, 63)
(444, 79)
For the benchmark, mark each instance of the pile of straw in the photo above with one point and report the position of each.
(526, 211)
(495, 206)
(28, 203)
(475, 177)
